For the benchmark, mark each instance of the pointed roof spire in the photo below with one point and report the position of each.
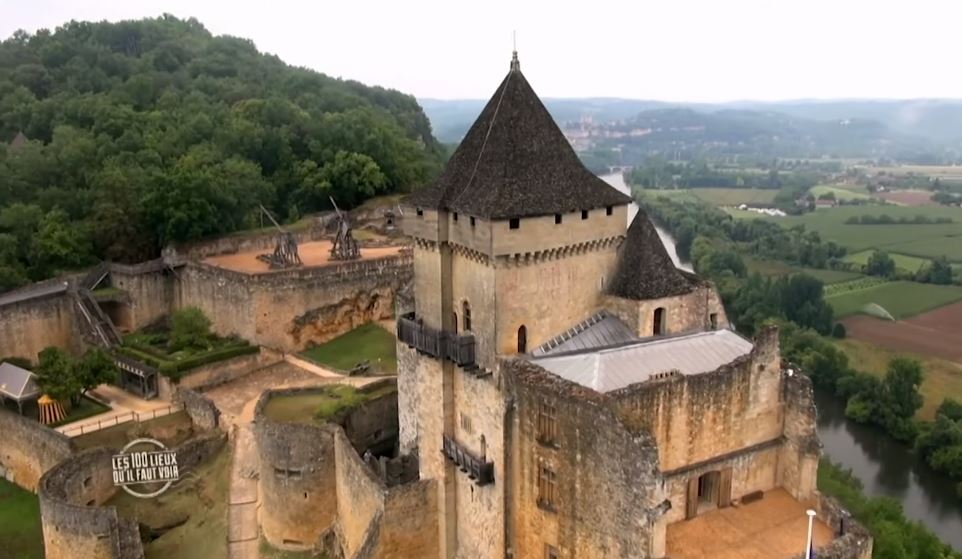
(515, 162)
(645, 271)
(515, 65)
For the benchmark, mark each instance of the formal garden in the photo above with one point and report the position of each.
(182, 342)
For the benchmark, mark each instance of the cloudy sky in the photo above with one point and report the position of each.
(678, 50)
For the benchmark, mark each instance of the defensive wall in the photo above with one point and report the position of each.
(36, 320)
(150, 289)
(303, 471)
(264, 240)
(290, 309)
(219, 372)
(852, 540)
(28, 449)
(76, 523)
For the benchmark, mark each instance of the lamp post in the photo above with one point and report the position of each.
(808, 541)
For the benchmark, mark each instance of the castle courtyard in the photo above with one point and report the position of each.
(773, 527)
(313, 254)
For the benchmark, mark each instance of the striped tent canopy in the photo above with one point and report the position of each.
(51, 411)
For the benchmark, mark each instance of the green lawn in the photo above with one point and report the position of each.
(735, 196)
(200, 498)
(86, 408)
(21, 536)
(902, 261)
(369, 342)
(170, 429)
(830, 277)
(900, 298)
(320, 405)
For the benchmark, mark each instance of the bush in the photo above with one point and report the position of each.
(189, 328)
(838, 331)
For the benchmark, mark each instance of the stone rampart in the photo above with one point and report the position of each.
(203, 413)
(290, 309)
(150, 286)
(29, 449)
(75, 524)
(228, 370)
(852, 540)
(245, 242)
(297, 481)
(30, 325)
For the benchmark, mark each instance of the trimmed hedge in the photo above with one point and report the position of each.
(174, 369)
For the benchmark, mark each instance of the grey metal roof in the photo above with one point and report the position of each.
(598, 331)
(17, 383)
(32, 292)
(610, 369)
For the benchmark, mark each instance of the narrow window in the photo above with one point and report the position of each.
(557, 219)
(551, 552)
(455, 216)
(484, 448)
(522, 339)
(608, 210)
(466, 316)
(420, 212)
(584, 214)
(547, 424)
(472, 221)
(713, 318)
(546, 487)
(465, 422)
(514, 223)
(658, 326)
(455, 321)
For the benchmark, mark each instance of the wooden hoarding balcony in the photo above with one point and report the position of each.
(457, 348)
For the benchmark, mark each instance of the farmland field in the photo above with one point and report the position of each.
(777, 268)
(915, 240)
(942, 377)
(902, 262)
(900, 298)
(735, 196)
(840, 193)
(908, 197)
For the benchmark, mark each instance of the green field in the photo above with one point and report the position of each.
(20, 531)
(319, 405)
(942, 378)
(735, 196)
(902, 261)
(900, 298)
(924, 241)
(840, 193)
(369, 342)
(777, 268)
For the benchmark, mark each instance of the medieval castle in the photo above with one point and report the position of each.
(563, 391)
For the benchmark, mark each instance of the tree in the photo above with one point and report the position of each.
(95, 368)
(902, 382)
(880, 264)
(189, 328)
(56, 375)
(941, 271)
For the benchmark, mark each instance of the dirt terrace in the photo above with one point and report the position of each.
(774, 527)
(937, 333)
(313, 254)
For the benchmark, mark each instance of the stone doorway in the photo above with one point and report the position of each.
(708, 491)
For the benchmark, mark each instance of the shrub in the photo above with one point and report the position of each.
(838, 331)
(189, 328)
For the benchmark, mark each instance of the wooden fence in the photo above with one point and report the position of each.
(96, 425)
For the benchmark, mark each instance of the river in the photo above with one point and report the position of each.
(884, 466)
(617, 180)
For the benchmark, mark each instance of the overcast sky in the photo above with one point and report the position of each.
(677, 50)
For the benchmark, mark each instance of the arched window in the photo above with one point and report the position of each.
(658, 326)
(454, 322)
(484, 448)
(466, 316)
(522, 339)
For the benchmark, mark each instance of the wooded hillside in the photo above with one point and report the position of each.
(141, 133)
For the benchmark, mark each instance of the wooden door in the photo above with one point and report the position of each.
(725, 488)
(691, 505)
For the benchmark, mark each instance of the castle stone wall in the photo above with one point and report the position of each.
(852, 540)
(798, 459)
(608, 500)
(360, 500)
(696, 418)
(242, 242)
(228, 370)
(74, 522)
(29, 326)
(289, 310)
(298, 499)
(151, 290)
(29, 449)
(690, 312)
(203, 413)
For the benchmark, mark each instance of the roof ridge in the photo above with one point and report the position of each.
(487, 134)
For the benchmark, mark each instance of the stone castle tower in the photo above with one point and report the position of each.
(559, 378)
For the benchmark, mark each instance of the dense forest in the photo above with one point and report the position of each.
(118, 138)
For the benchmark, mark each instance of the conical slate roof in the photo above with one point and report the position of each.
(645, 271)
(515, 162)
